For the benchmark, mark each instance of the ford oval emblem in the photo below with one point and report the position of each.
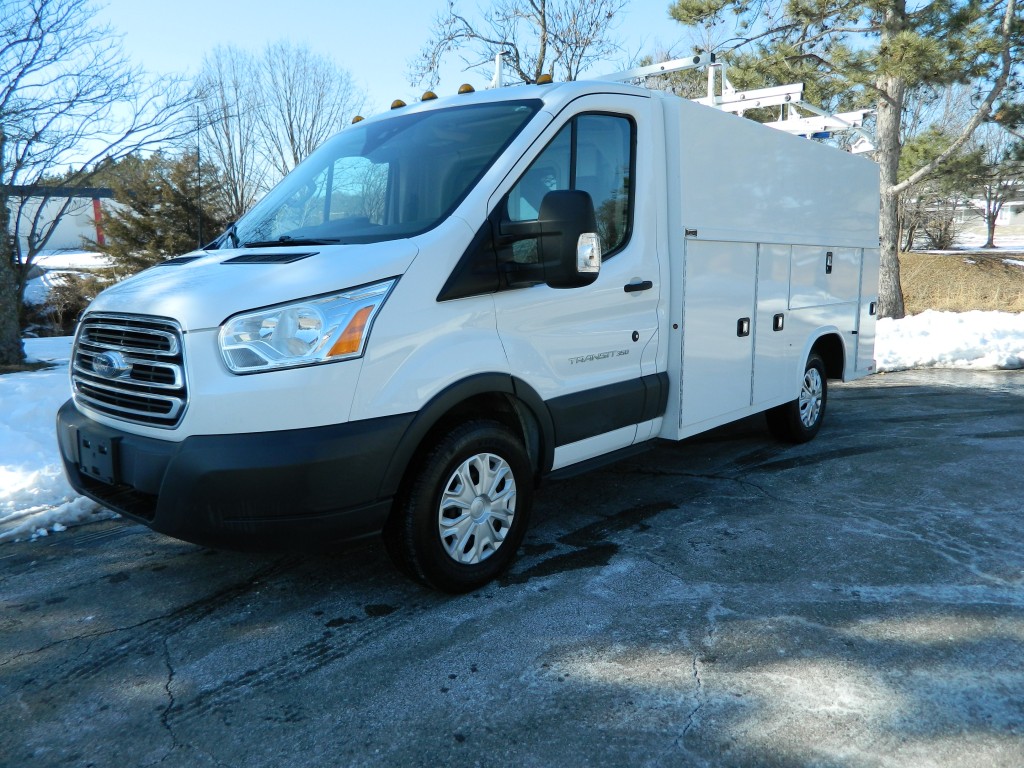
(110, 365)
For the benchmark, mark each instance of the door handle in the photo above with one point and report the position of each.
(644, 285)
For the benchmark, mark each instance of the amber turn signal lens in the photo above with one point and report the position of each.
(350, 339)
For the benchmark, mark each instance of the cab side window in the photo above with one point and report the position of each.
(593, 153)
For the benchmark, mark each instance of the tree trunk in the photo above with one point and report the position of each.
(890, 293)
(11, 350)
(990, 226)
(887, 136)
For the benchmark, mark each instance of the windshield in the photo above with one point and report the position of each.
(386, 180)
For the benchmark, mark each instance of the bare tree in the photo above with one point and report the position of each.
(932, 115)
(306, 97)
(229, 104)
(561, 38)
(263, 114)
(1001, 177)
(68, 95)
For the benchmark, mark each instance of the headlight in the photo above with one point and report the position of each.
(318, 330)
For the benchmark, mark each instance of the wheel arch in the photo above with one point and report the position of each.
(829, 345)
(499, 396)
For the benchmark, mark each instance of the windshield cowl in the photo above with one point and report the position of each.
(286, 240)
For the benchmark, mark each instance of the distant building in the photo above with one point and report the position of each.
(83, 219)
(973, 212)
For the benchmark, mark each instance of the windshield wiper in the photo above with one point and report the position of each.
(287, 240)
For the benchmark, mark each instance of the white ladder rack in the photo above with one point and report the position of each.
(817, 124)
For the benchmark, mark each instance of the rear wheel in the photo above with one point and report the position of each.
(798, 421)
(463, 513)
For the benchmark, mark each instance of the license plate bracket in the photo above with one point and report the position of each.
(97, 457)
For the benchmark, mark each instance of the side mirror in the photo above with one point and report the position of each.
(570, 248)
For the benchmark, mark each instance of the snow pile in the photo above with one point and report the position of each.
(1005, 241)
(34, 496)
(976, 340)
(35, 499)
(50, 268)
(71, 260)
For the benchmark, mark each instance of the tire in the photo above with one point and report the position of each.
(462, 515)
(799, 421)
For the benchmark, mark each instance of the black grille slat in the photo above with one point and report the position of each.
(105, 336)
(124, 401)
(153, 374)
(147, 386)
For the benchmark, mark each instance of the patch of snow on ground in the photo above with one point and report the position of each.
(55, 266)
(1014, 262)
(1007, 241)
(50, 349)
(976, 340)
(35, 498)
(72, 260)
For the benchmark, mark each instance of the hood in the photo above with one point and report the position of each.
(203, 288)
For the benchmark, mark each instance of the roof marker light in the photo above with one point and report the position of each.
(428, 96)
(397, 104)
(545, 79)
(466, 88)
(357, 119)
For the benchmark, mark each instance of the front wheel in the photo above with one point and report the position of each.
(461, 517)
(798, 421)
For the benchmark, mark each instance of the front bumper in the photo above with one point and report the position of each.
(294, 489)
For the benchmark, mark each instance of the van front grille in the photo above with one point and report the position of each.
(130, 367)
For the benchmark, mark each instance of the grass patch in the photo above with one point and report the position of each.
(962, 281)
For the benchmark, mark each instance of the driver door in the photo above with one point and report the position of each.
(590, 351)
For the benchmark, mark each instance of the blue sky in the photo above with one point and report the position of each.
(374, 41)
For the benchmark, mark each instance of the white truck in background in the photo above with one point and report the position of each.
(447, 303)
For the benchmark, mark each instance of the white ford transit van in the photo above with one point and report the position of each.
(449, 302)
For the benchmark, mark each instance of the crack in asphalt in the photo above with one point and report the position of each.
(691, 718)
(170, 705)
(708, 643)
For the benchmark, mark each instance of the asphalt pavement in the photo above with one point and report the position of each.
(724, 601)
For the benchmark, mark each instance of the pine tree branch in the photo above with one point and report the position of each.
(983, 111)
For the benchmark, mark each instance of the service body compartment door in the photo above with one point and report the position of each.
(866, 320)
(823, 276)
(774, 366)
(718, 327)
